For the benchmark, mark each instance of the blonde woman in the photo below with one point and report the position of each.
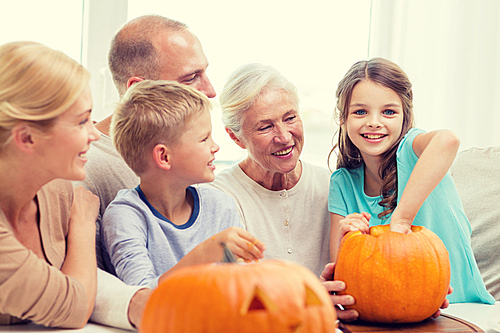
(47, 229)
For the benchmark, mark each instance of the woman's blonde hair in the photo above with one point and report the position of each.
(390, 75)
(152, 113)
(37, 84)
(243, 88)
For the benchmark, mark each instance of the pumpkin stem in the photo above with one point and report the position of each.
(228, 255)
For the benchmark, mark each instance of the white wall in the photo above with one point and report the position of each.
(451, 51)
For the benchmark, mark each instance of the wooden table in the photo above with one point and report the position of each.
(462, 317)
(445, 323)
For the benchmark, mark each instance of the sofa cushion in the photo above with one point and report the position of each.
(476, 173)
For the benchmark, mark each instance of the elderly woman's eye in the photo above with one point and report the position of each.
(264, 128)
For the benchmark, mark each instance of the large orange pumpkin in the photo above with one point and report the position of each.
(267, 296)
(394, 277)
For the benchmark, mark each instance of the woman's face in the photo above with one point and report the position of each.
(64, 147)
(272, 132)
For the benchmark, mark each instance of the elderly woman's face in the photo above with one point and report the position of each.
(272, 132)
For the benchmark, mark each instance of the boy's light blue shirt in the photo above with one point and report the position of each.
(139, 244)
(442, 213)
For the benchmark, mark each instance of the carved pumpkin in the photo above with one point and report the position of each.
(267, 296)
(394, 278)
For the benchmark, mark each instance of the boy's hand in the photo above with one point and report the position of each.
(354, 222)
(242, 243)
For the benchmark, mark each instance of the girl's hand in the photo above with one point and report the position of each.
(242, 243)
(338, 300)
(445, 304)
(398, 224)
(354, 222)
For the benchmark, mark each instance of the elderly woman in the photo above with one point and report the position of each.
(281, 199)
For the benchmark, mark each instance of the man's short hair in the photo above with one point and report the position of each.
(152, 113)
(132, 52)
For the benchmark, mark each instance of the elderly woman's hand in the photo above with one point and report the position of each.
(338, 300)
(242, 243)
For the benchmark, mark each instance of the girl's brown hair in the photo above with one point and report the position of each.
(390, 75)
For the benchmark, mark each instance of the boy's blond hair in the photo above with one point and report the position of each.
(152, 113)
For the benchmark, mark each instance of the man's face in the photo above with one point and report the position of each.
(183, 60)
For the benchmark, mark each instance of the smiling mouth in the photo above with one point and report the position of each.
(373, 136)
(83, 155)
(283, 152)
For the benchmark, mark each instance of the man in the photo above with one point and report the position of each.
(148, 47)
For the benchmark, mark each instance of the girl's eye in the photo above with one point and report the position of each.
(389, 112)
(360, 112)
(83, 122)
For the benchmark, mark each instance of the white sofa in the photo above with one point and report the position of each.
(476, 173)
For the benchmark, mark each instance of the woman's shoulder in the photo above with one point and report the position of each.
(315, 170)
(55, 199)
(231, 180)
(58, 188)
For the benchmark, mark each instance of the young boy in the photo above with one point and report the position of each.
(162, 129)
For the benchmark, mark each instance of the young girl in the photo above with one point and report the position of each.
(388, 171)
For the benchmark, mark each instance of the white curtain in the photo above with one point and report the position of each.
(450, 49)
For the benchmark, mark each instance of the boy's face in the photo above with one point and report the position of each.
(192, 157)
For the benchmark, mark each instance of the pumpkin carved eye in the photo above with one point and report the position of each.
(311, 297)
(258, 300)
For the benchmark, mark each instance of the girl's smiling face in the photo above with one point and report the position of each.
(375, 118)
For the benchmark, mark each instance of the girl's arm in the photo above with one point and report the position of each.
(436, 151)
(340, 225)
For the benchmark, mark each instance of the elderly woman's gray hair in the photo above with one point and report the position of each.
(244, 87)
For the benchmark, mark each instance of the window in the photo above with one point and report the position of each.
(55, 23)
